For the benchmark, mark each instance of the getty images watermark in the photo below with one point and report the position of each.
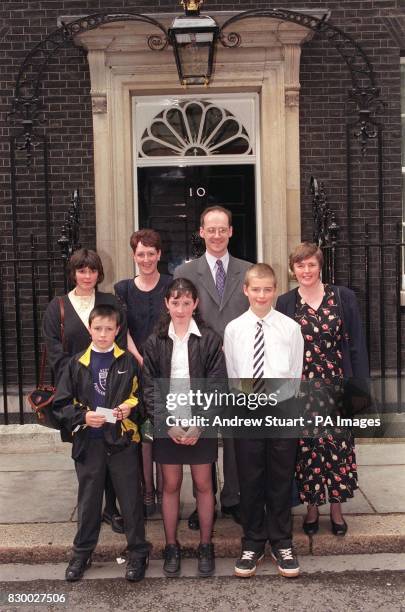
(285, 408)
(206, 400)
(251, 401)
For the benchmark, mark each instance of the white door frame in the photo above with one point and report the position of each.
(253, 129)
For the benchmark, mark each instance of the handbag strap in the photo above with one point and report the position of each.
(43, 364)
(62, 337)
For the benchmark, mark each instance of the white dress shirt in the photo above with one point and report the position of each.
(180, 371)
(283, 348)
(212, 263)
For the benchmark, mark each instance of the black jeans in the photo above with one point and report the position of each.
(126, 478)
(266, 470)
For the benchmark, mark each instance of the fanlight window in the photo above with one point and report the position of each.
(195, 128)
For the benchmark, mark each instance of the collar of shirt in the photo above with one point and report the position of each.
(82, 304)
(192, 329)
(97, 350)
(212, 262)
(254, 318)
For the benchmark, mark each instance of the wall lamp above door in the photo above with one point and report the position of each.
(193, 38)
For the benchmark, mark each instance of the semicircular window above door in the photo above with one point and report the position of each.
(194, 128)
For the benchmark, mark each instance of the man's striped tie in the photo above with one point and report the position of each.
(258, 359)
(220, 278)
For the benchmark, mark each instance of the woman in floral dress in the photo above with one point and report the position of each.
(334, 350)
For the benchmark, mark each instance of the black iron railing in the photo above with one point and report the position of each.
(375, 270)
(26, 287)
(27, 284)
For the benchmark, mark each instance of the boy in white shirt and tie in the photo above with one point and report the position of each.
(262, 344)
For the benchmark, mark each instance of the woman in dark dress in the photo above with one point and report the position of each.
(334, 350)
(86, 272)
(185, 352)
(143, 299)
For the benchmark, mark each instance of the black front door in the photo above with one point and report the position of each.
(171, 200)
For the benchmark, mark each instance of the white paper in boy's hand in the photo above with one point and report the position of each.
(107, 413)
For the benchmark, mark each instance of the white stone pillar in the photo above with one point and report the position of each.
(103, 178)
(292, 55)
(273, 170)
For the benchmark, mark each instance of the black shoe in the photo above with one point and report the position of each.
(232, 511)
(115, 520)
(311, 528)
(194, 522)
(136, 568)
(286, 561)
(246, 565)
(338, 529)
(76, 568)
(206, 560)
(172, 564)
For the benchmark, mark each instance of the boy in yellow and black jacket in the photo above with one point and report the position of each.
(98, 387)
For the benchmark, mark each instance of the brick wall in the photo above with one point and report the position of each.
(324, 114)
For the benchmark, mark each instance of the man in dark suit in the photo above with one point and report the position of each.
(219, 278)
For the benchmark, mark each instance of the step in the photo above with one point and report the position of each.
(51, 542)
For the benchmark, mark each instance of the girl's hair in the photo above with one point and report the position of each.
(85, 258)
(176, 289)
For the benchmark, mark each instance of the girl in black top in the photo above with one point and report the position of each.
(189, 354)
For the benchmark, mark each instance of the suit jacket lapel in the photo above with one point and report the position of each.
(206, 279)
(233, 279)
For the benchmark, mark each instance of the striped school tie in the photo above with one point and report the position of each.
(258, 359)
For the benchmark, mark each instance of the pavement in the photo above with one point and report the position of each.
(321, 590)
(38, 491)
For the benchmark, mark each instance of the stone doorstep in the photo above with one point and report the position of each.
(51, 542)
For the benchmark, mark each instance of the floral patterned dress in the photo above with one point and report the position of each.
(327, 458)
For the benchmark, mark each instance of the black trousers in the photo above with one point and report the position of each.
(123, 468)
(230, 491)
(266, 469)
(110, 496)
